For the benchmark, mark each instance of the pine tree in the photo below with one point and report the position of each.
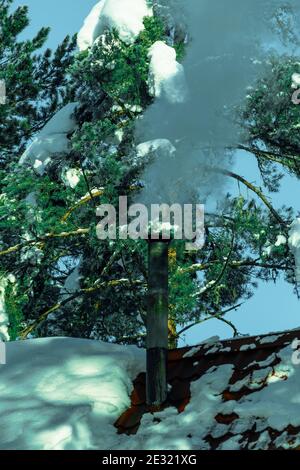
(36, 83)
(271, 121)
(69, 282)
(36, 87)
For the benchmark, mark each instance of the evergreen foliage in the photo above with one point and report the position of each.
(70, 283)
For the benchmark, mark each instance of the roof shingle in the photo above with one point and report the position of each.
(255, 357)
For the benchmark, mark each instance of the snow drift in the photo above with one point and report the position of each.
(63, 393)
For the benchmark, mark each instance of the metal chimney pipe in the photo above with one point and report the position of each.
(157, 322)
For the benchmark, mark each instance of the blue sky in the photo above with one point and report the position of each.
(274, 307)
(63, 16)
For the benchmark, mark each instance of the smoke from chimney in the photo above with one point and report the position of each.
(225, 52)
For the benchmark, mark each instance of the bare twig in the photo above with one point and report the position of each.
(218, 316)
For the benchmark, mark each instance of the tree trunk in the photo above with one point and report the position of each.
(157, 322)
(173, 338)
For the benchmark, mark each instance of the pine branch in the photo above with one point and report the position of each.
(235, 265)
(89, 290)
(93, 193)
(258, 192)
(290, 161)
(40, 241)
(84, 200)
(214, 283)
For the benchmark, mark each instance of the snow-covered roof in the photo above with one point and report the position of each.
(233, 394)
(64, 393)
(124, 15)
